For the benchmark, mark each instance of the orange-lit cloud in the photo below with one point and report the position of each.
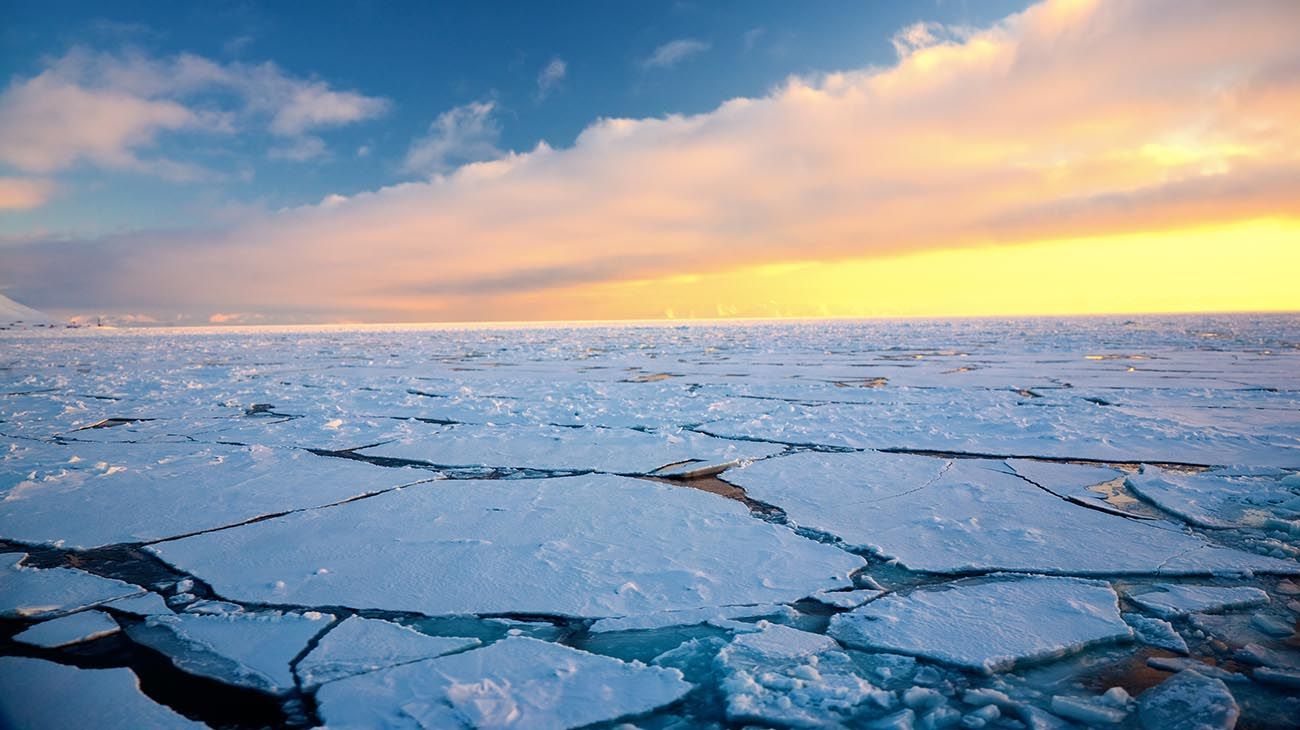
(1079, 135)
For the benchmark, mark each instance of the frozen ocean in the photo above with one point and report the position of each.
(1039, 523)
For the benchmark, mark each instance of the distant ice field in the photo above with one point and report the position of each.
(912, 523)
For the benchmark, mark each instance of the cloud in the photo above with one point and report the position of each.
(19, 193)
(550, 77)
(106, 109)
(1072, 117)
(299, 149)
(674, 52)
(458, 136)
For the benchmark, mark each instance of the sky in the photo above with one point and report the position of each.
(238, 163)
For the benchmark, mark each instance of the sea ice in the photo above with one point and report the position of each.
(784, 676)
(1070, 481)
(516, 682)
(39, 695)
(359, 645)
(1156, 632)
(967, 515)
(586, 448)
(71, 629)
(49, 592)
(1222, 498)
(690, 617)
(988, 624)
(152, 491)
(1188, 700)
(582, 546)
(1168, 600)
(248, 650)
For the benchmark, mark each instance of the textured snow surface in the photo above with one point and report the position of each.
(1222, 498)
(1179, 599)
(40, 695)
(517, 682)
(579, 546)
(988, 624)
(251, 651)
(785, 676)
(44, 593)
(359, 645)
(1188, 701)
(967, 515)
(68, 630)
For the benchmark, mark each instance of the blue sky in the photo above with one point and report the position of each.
(424, 59)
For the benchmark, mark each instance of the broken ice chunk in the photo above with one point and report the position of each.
(988, 624)
(1168, 600)
(1070, 481)
(145, 604)
(786, 676)
(968, 515)
(250, 650)
(38, 695)
(516, 682)
(49, 592)
(1188, 700)
(69, 630)
(1156, 632)
(451, 548)
(1222, 498)
(846, 599)
(361, 645)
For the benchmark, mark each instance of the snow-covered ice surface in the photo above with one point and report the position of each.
(517, 682)
(860, 524)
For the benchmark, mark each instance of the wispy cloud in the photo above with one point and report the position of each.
(18, 193)
(111, 109)
(461, 135)
(550, 77)
(1069, 118)
(674, 52)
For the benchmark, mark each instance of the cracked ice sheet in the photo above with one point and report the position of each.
(67, 630)
(988, 624)
(48, 592)
(38, 695)
(976, 426)
(89, 495)
(614, 450)
(967, 515)
(359, 645)
(1168, 600)
(579, 546)
(250, 650)
(1223, 498)
(516, 682)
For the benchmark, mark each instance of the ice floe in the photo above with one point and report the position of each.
(67, 630)
(1167, 600)
(1222, 498)
(27, 592)
(988, 624)
(1156, 632)
(956, 516)
(596, 546)
(1188, 701)
(253, 651)
(38, 695)
(516, 682)
(359, 645)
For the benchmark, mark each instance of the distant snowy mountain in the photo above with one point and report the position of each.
(12, 312)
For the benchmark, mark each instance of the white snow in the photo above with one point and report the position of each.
(988, 624)
(359, 645)
(1222, 498)
(12, 312)
(67, 630)
(1167, 600)
(846, 599)
(783, 676)
(45, 593)
(39, 695)
(1071, 481)
(583, 546)
(968, 515)
(248, 650)
(1188, 701)
(517, 682)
